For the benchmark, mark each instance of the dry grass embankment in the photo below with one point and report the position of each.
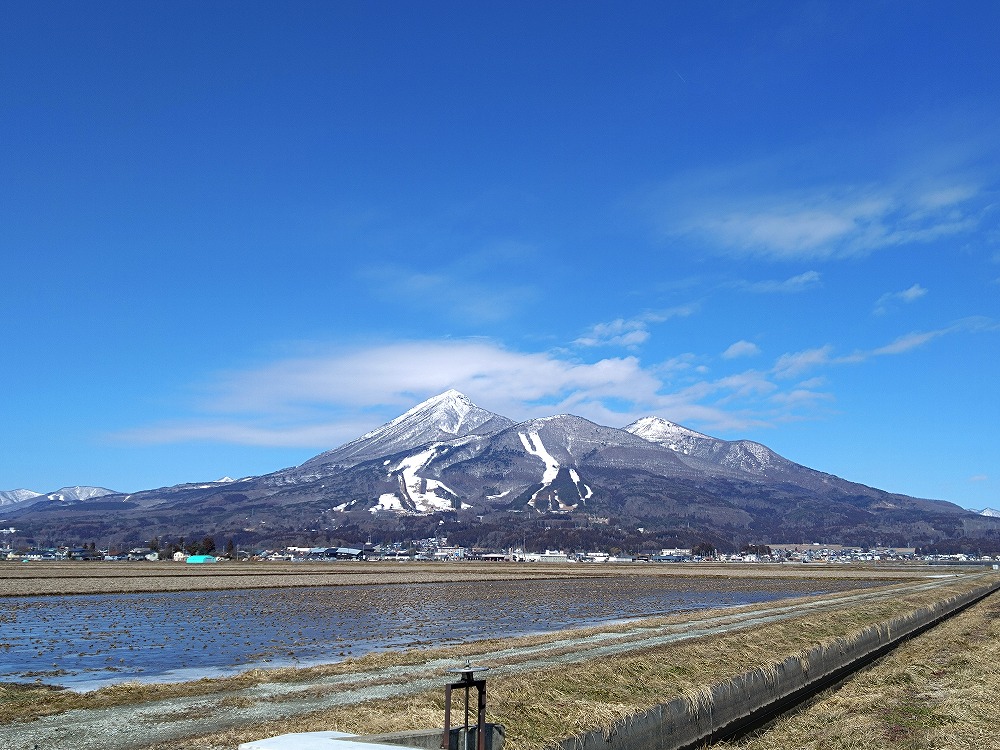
(542, 707)
(936, 692)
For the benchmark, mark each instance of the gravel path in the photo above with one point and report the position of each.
(141, 725)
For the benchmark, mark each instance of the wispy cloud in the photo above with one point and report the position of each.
(832, 223)
(800, 283)
(307, 401)
(466, 286)
(888, 300)
(909, 342)
(324, 399)
(631, 332)
(773, 210)
(682, 363)
(618, 332)
(794, 364)
(800, 397)
(741, 349)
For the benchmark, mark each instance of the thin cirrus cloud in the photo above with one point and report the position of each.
(486, 297)
(827, 225)
(741, 349)
(889, 300)
(745, 211)
(792, 365)
(630, 332)
(793, 285)
(303, 401)
(325, 400)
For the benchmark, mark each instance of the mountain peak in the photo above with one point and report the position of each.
(659, 430)
(9, 497)
(446, 411)
(451, 403)
(76, 493)
(446, 416)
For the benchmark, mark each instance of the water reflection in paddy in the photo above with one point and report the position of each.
(88, 641)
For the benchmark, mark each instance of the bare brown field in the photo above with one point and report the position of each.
(68, 578)
(543, 688)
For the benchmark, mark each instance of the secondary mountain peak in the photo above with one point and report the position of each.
(659, 430)
(9, 497)
(78, 493)
(738, 455)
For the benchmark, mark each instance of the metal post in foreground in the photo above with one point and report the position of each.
(467, 681)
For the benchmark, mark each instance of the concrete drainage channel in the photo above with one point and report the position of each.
(746, 702)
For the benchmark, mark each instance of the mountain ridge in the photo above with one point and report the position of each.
(449, 462)
(446, 416)
(63, 494)
(10, 497)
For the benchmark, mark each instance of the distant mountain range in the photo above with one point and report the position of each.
(449, 465)
(64, 494)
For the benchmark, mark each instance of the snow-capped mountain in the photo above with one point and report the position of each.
(444, 417)
(666, 433)
(435, 458)
(9, 497)
(62, 495)
(740, 455)
(989, 512)
(447, 459)
(78, 494)
(536, 465)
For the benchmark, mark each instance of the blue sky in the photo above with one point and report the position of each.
(235, 234)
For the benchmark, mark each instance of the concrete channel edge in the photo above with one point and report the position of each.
(727, 708)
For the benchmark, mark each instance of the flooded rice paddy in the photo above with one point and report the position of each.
(87, 641)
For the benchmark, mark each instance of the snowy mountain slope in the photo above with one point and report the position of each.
(62, 495)
(448, 461)
(443, 417)
(10, 497)
(78, 494)
(668, 434)
(989, 512)
(541, 464)
(742, 456)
